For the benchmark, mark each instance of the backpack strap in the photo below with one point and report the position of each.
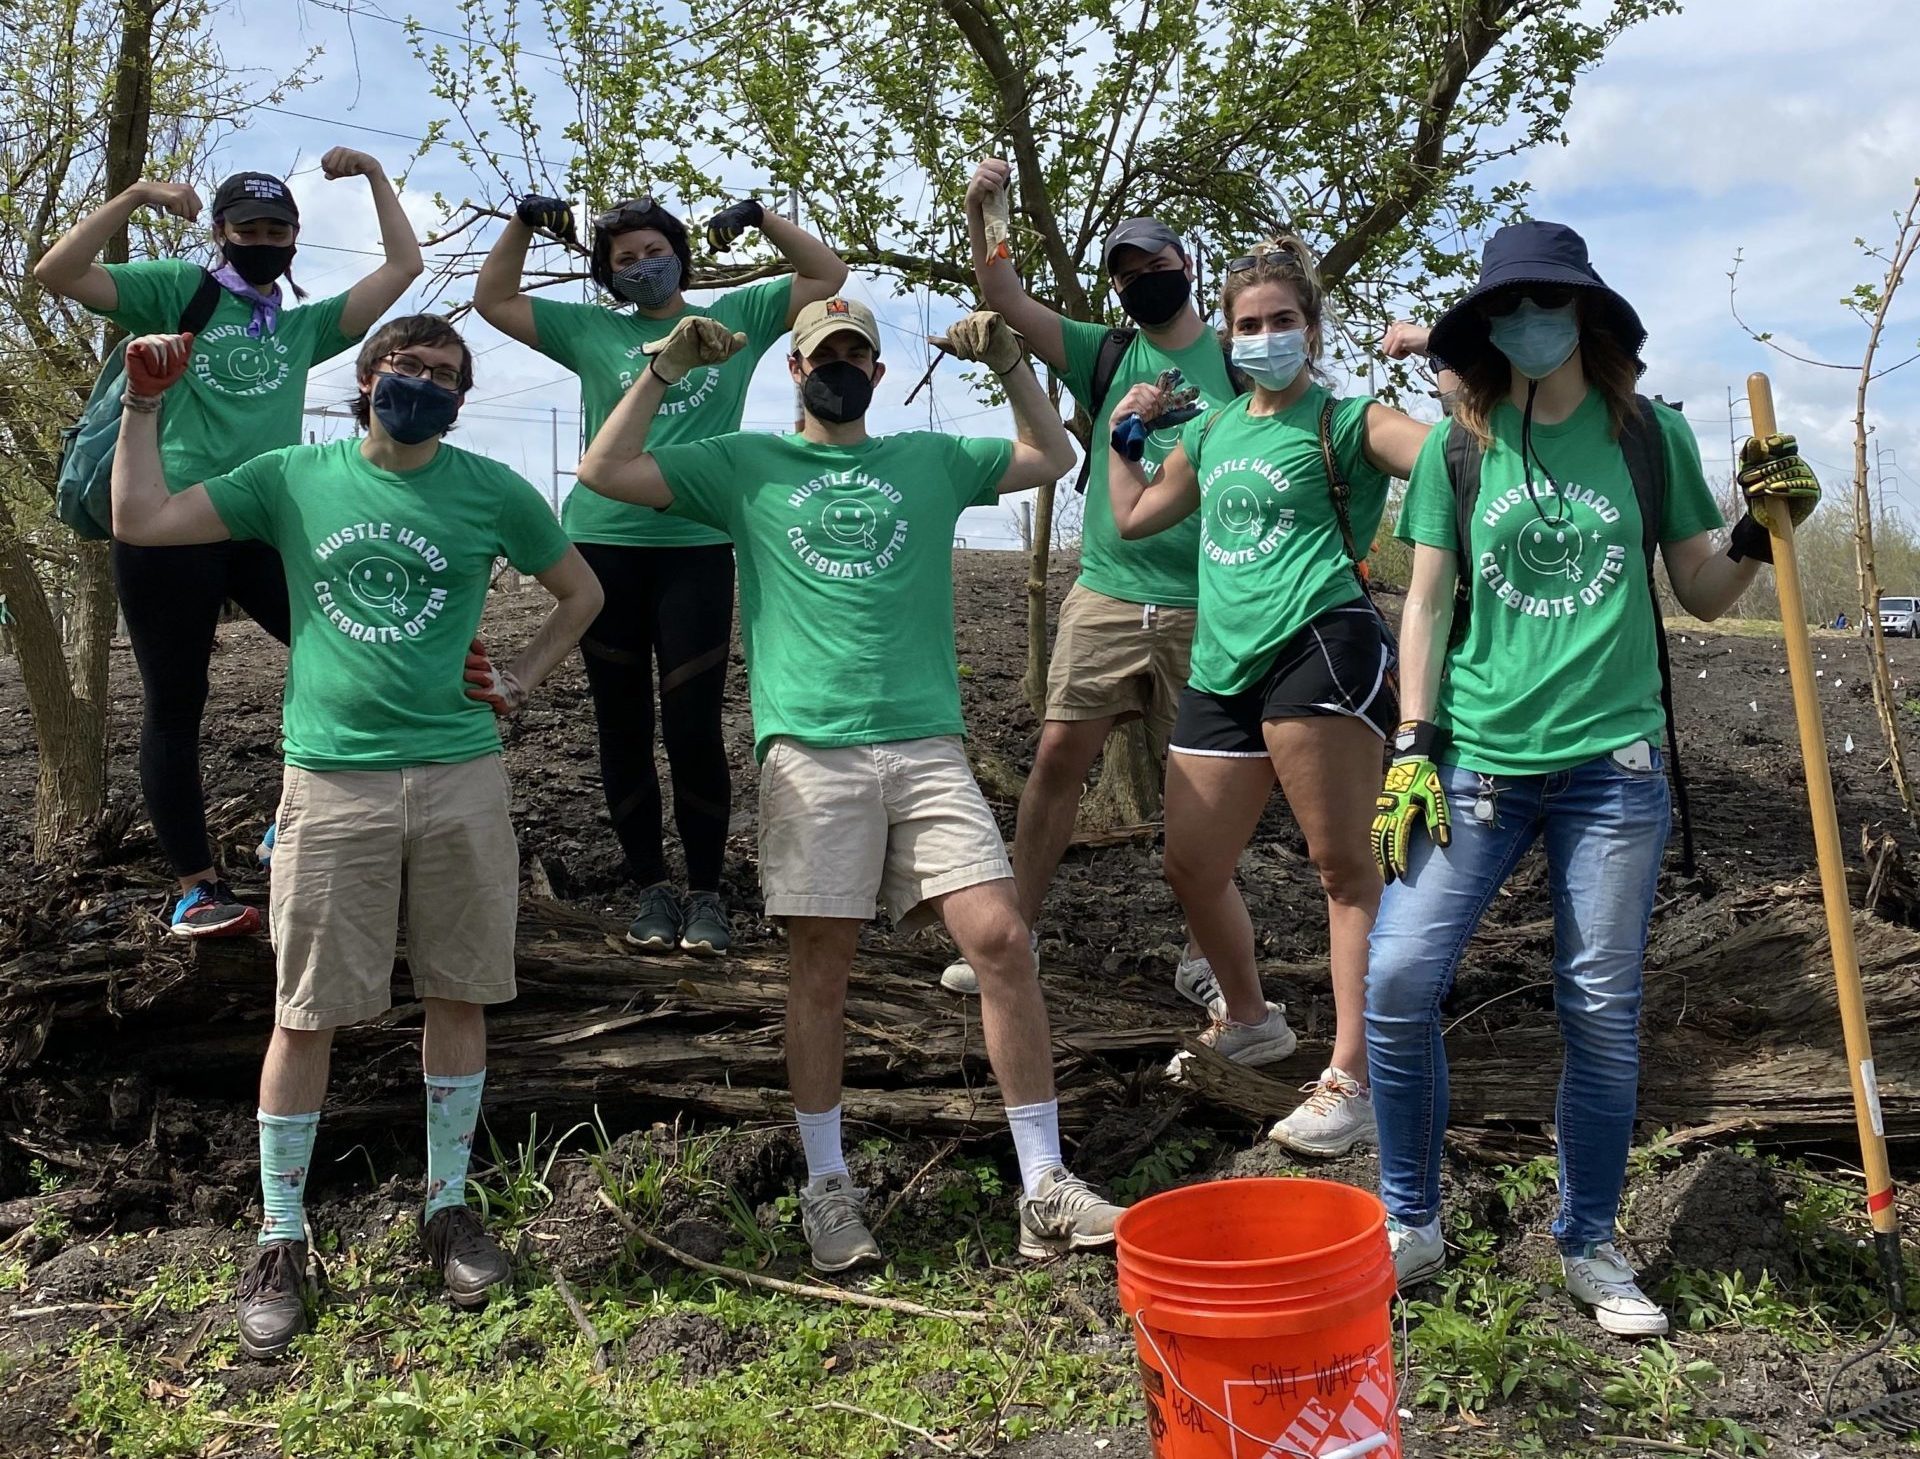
(1645, 452)
(1337, 486)
(206, 298)
(1106, 364)
(1464, 455)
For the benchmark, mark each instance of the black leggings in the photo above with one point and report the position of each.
(674, 604)
(172, 597)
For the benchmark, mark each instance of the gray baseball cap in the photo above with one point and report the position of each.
(1149, 235)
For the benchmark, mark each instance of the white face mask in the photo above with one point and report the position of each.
(1272, 360)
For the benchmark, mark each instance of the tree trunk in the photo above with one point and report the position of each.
(1128, 791)
(1035, 683)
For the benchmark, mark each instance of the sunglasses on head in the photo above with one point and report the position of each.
(1544, 296)
(633, 213)
(1254, 260)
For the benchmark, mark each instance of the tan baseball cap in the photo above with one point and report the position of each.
(826, 317)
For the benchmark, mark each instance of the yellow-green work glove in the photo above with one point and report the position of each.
(1771, 469)
(1412, 793)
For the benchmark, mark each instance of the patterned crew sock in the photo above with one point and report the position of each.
(286, 1150)
(453, 1109)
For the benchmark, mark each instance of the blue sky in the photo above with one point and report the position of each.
(1736, 125)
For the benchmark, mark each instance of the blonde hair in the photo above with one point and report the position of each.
(1282, 260)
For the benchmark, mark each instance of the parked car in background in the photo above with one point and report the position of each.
(1900, 617)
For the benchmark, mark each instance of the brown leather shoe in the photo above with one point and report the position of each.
(273, 1299)
(471, 1262)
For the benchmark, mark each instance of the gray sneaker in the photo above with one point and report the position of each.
(1336, 1115)
(1252, 1044)
(1194, 981)
(1603, 1280)
(1065, 1215)
(706, 933)
(959, 977)
(656, 927)
(273, 1298)
(1419, 1252)
(832, 1215)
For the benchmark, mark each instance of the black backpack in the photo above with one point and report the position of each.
(1106, 364)
(1646, 460)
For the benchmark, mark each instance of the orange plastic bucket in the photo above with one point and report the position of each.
(1262, 1314)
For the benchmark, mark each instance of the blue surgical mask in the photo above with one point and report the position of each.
(1536, 341)
(413, 410)
(1272, 360)
(648, 282)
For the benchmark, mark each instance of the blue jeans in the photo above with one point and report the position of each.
(1604, 828)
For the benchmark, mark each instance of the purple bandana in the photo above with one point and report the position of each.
(266, 307)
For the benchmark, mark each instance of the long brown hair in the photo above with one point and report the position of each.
(1487, 379)
(1282, 260)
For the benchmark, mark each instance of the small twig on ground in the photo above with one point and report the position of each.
(776, 1284)
(900, 1195)
(945, 1446)
(1658, 1446)
(581, 1320)
(58, 1307)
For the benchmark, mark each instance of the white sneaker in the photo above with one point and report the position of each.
(959, 977)
(1419, 1252)
(1194, 981)
(1336, 1115)
(1603, 1280)
(1252, 1044)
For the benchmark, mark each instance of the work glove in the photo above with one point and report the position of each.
(496, 688)
(154, 362)
(696, 340)
(1771, 469)
(983, 336)
(547, 215)
(726, 226)
(1412, 793)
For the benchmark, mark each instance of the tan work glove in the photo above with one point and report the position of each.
(695, 340)
(984, 336)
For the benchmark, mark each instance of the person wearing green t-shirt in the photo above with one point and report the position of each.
(394, 789)
(669, 582)
(866, 797)
(1531, 694)
(244, 394)
(1121, 647)
(1292, 665)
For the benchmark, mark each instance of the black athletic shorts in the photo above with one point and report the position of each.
(1341, 663)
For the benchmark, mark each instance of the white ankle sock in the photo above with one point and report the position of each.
(820, 1138)
(1036, 1140)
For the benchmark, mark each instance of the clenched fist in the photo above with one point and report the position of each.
(176, 198)
(339, 162)
(696, 340)
(156, 361)
(984, 336)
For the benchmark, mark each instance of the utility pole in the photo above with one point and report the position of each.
(1881, 452)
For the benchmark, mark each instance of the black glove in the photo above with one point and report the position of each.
(547, 215)
(725, 226)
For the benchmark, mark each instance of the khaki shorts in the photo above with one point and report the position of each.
(350, 844)
(844, 830)
(1128, 660)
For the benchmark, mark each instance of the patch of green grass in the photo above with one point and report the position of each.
(187, 1285)
(133, 1412)
(1518, 1184)
(1162, 1166)
(1477, 1346)
(13, 1275)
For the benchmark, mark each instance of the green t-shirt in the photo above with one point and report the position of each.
(1157, 569)
(240, 395)
(387, 574)
(846, 574)
(1558, 665)
(1271, 555)
(604, 347)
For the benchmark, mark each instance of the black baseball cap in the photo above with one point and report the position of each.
(1149, 235)
(247, 196)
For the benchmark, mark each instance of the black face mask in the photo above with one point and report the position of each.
(259, 263)
(413, 410)
(837, 392)
(1155, 298)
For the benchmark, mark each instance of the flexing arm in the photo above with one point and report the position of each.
(68, 268)
(617, 463)
(818, 272)
(1140, 507)
(1393, 440)
(577, 598)
(380, 290)
(144, 513)
(1000, 287)
(1042, 449)
(1425, 625)
(496, 293)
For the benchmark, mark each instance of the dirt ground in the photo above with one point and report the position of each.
(1720, 1208)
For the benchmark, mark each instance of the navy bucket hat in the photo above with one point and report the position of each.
(1534, 253)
